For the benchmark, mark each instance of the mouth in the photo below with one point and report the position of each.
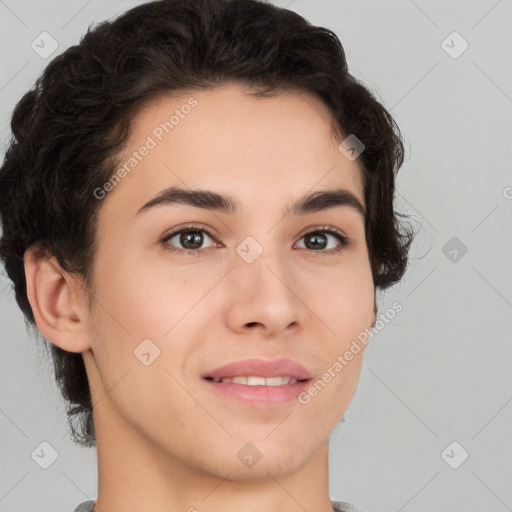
(259, 382)
(254, 380)
(257, 392)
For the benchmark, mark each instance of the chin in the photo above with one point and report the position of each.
(279, 457)
(269, 466)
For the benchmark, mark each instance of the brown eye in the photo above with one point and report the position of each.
(189, 240)
(318, 241)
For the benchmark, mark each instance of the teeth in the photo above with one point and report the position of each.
(277, 381)
(258, 381)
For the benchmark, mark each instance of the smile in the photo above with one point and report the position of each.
(252, 380)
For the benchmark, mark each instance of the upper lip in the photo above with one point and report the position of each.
(261, 368)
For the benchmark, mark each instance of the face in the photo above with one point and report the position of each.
(258, 280)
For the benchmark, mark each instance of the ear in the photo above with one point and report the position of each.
(57, 300)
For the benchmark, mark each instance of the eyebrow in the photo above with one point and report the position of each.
(208, 200)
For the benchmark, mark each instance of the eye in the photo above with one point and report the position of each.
(191, 238)
(319, 239)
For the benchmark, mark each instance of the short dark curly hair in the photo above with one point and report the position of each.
(69, 128)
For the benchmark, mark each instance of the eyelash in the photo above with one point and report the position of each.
(344, 241)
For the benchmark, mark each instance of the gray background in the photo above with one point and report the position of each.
(440, 371)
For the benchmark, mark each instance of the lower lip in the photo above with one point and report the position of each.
(259, 396)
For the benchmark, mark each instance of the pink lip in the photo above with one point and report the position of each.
(261, 368)
(260, 396)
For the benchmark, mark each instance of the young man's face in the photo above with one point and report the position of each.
(259, 287)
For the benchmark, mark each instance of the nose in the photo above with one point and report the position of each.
(264, 295)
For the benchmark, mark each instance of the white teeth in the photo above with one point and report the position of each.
(242, 380)
(258, 381)
(277, 381)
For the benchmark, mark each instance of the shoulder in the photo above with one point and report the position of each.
(339, 506)
(85, 506)
(345, 506)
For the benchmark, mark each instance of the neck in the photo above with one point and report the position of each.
(134, 474)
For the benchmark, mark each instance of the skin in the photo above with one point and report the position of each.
(165, 442)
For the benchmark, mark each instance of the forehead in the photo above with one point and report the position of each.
(226, 140)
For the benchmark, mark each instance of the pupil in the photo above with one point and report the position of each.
(189, 237)
(316, 236)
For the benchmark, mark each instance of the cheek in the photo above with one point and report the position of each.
(143, 301)
(344, 299)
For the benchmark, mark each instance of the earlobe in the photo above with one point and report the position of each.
(58, 309)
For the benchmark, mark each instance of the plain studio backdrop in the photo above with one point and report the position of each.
(429, 426)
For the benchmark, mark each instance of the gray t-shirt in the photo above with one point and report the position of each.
(339, 506)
